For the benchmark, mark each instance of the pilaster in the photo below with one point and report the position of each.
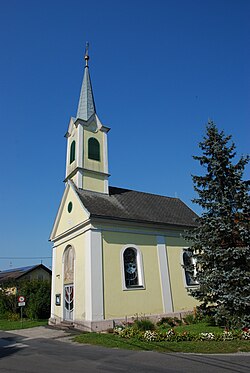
(164, 275)
(94, 276)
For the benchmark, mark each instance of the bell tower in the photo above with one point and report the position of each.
(87, 147)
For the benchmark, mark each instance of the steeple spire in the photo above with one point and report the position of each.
(86, 105)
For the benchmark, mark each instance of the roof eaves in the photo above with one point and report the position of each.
(107, 217)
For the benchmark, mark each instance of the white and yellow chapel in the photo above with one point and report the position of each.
(117, 253)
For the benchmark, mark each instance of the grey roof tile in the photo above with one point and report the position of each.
(125, 204)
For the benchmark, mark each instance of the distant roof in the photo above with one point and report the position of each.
(130, 205)
(20, 269)
(16, 273)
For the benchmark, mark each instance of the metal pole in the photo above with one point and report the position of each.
(21, 317)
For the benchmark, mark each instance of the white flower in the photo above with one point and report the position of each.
(206, 336)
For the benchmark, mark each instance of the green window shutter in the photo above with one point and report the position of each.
(94, 149)
(72, 151)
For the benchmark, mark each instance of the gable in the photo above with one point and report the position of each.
(37, 274)
(70, 214)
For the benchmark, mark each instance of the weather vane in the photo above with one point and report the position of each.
(86, 57)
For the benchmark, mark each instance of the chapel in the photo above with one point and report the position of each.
(117, 253)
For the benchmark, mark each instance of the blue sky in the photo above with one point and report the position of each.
(159, 70)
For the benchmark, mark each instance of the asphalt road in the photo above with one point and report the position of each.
(47, 350)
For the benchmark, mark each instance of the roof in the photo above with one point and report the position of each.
(86, 105)
(16, 273)
(130, 205)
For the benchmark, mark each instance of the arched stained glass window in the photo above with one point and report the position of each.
(68, 278)
(94, 149)
(189, 267)
(72, 151)
(69, 265)
(130, 267)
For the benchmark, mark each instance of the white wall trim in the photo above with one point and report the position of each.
(79, 179)
(94, 276)
(126, 229)
(59, 212)
(106, 186)
(164, 275)
(53, 279)
(140, 269)
(105, 153)
(78, 198)
(80, 147)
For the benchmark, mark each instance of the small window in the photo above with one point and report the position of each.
(72, 151)
(189, 267)
(94, 149)
(70, 206)
(132, 268)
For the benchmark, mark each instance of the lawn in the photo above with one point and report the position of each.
(14, 325)
(207, 347)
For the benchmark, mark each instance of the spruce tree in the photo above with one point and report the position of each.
(220, 243)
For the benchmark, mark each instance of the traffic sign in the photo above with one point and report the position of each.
(21, 299)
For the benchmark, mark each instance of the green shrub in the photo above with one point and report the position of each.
(190, 319)
(144, 324)
(8, 304)
(169, 321)
(10, 316)
(37, 295)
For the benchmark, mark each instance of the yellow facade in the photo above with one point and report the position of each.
(182, 301)
(67, 219)
(119, 302)
(88, 174)
(79, 276)
(74, 137)
(91, 164)
(94, 182)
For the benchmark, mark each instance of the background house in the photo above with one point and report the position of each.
(15, 275)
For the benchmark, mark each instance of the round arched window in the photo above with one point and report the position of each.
(94, 149)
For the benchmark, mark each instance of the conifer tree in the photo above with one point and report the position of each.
(221, 242)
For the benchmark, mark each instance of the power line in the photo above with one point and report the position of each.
(25, 257)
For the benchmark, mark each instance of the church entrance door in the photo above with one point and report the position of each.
(68, 302)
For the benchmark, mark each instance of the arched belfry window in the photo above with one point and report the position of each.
(189, 266)
(72, 151)
(132, 268)
(94, 149)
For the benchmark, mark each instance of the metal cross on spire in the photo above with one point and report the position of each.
(86, 56)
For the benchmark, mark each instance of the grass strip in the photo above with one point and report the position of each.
(205, 347)
(14, 325)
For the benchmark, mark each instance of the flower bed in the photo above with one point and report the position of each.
(172, 335)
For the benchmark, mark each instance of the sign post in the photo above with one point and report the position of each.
(21, 303)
